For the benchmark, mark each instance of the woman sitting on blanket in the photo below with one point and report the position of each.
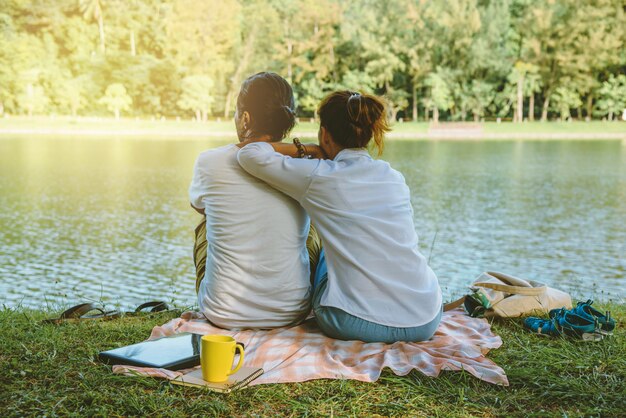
(372, 283)
(251, 257)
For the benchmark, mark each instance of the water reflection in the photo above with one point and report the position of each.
(109, 219)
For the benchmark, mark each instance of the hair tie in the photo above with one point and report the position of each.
(356, 96)
(289, 110)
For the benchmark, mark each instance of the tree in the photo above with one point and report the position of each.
(116, 99)
(440, 95)
(568, 40)
(33, 99)
(461, 54)
(481, 95)
(563, 100)
(196, 95)
(417, 55)
(532, 83)
(71, 95)
(201, 38)
(370, 27)
(517, 77)
(92, 9)
(612, 97)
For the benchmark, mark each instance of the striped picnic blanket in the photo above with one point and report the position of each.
(302, 352)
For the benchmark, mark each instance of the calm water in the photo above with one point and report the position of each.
(90, 219)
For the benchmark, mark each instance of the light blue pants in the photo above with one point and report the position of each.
(341, 325)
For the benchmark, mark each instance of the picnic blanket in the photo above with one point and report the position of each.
(302, 352)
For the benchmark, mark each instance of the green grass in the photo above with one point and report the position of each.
(556, 127)
(172, 128)
(50, 370)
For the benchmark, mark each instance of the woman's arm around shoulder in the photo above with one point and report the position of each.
(274, 164)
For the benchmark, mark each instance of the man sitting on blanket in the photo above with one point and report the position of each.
(254, 246)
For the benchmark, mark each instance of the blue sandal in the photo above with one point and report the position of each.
(564, 322)
(606, 324)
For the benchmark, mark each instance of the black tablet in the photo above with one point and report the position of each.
(179, 351)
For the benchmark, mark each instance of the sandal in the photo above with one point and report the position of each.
(156, 305)
(564, 322)
(606, 324)
(79, 313)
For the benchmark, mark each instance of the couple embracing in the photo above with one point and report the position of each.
(291, 228)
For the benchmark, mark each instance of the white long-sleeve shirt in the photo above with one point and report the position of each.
(257, 268)
(362, 210)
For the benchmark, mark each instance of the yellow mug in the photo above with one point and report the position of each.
(217, 353)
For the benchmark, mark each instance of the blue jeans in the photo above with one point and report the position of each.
(338, 324)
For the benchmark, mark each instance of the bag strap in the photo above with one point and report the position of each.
(514, 290)
(454, 304)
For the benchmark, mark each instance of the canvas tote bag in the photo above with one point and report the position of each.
(498, 294)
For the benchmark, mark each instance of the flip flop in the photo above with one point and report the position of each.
(156, 305)
(79, 313)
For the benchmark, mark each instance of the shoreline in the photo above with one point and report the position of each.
(127, 128)
(458, 135)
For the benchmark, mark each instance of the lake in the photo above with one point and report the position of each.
(86, 219)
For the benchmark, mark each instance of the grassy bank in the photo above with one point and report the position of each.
(188, 129)
(49, 370)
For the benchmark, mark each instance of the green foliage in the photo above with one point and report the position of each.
(471, 51)
(564, 99)
(70, 97)
(116, 99)
(33, 99)
(196, 95)
(612, 97)
(480, 95)
(440, 94)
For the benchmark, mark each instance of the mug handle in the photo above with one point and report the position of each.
(240, 363)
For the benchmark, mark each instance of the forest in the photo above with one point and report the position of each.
(459, 60)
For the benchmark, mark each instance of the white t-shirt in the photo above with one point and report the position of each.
(257, 270)
(362, 210)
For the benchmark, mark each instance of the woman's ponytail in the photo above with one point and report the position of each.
(353, 119)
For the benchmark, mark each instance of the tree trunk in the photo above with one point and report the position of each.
(476, 115)
(133, 51)
(579, 113)
(611, 116)
(117, 114)
(520, 99)
(332, 61)
(414, 103)
(589, 105)
(394, 114)
(531, 107)
(544, 110)
(514, 112)
(101, 29)
(435, 114)
(198, 116)
(289, 46)
(242, 65)
(227, 105)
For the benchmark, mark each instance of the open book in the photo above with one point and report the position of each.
(236, 381)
